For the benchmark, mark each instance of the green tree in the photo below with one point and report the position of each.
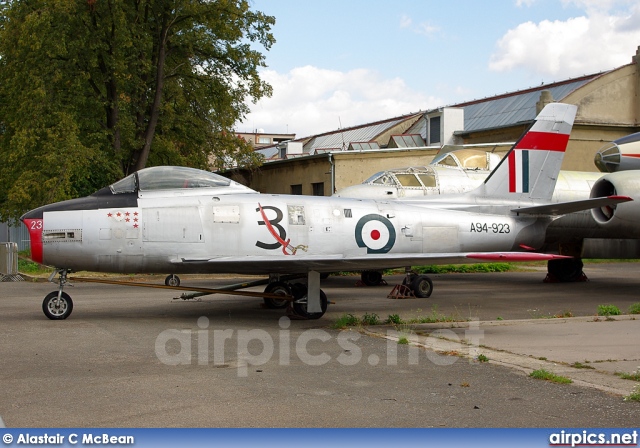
(92, 90)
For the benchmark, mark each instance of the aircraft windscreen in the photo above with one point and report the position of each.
(126, 185)
(177, 177)
(445, 159)
(380, 178)
(168, 178)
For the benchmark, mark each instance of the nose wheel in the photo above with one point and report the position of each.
(57, 305)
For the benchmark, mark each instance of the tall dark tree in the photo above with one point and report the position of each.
(91, 90)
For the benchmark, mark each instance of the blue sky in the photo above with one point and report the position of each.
(344, 63)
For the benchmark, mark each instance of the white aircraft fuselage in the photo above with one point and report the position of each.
(230, 228)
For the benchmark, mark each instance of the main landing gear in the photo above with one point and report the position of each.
(413, 284)
(172, 280)
(299, 306)
(565, 270)
(302, 301)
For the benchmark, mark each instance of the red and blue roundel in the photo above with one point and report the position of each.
(376, 233)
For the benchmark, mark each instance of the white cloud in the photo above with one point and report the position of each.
(422, 28)
(581, 45)
(309, 100)
(405, 21)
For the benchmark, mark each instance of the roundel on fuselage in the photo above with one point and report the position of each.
(376, 233)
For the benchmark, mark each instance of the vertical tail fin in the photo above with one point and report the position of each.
(530, 169)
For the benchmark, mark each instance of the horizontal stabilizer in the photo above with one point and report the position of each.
(563, 208)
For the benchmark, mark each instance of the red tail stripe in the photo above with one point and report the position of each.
(512, 172)
(545, 141)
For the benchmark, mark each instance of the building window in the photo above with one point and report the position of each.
(264, 140)
(434, 130)
(318, 188)
(296, 189)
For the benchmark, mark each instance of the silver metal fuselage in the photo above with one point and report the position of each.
(203, 231)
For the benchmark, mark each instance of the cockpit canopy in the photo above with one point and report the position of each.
(414, 176)
(172, 178)
(468, 159)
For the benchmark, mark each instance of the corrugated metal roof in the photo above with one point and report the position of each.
(513, 108)
(341, 139)
(268, 152)
(420, 128)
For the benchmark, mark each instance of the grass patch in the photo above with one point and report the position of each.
(608, 310)
(435, 317)
(346, 320)
(403, 340)
(463, 268)
(633, 396)
(370, 319)
(633, 376)
(394, 319)
(26, 266)
(545, 375)
(634, 308)
(350, 320)
(482, 358)
(579, 365)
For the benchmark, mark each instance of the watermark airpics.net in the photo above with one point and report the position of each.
(256, 347)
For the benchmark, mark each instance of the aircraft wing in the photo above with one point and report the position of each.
(333, 263)
(563, 208)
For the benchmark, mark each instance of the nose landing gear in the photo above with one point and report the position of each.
(57, 305)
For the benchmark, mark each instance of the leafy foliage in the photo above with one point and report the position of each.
(608, 310)
(634, 308)
(542, 374)
(93, 90)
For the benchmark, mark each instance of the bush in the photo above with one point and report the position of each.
(370, 319)
(608, 310)
(634, 308)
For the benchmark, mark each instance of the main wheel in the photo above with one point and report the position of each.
(371, 278)
(56, 309)
(565, 269)
(172, 280)
(279, 288)
(300, 307)
(422, 286)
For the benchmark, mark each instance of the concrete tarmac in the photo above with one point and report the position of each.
(134, 357)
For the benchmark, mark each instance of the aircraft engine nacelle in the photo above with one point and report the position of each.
(620, 155)
(623, 218)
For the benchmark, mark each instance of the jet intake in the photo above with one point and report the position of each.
(622, 218)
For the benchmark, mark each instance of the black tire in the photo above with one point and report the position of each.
(172, 280)
(371, 278)
(298, 290)
(422, 286)
(565, 269)
(300, 307)
(58, 311)
(279, 288)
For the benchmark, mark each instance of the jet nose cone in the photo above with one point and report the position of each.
(36, 213)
